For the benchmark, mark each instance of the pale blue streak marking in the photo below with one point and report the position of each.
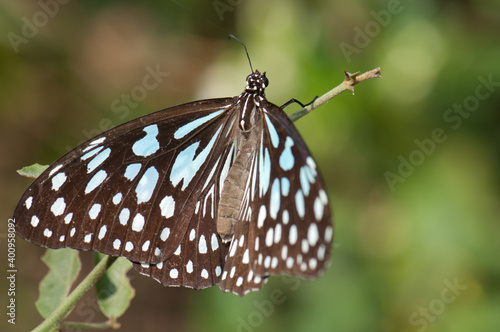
(98, 160)
(304, 181)
(96, 181)
(189, 127)
(310, 174)
(124, 216)
(300, 203)
(147, 145)
(264, 168)
(186, 165)
(272, 131)
(286, 159)
(285, 186)
(265, 173)
(275, 199)
(318, 209)
(94, 211)
(92, 153)
(167, 206)
(146, 185)
(132, 171)
(117, 198)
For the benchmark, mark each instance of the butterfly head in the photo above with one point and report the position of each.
(257, 82)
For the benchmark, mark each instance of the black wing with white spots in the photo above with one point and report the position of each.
(133, 190)
(215, 191)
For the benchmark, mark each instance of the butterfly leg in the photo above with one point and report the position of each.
(293, 100)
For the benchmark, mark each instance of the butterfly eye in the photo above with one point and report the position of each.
(265, 81)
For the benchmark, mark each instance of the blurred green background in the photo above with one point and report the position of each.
(411, 161)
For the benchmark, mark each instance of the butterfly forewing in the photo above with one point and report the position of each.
(132, 190)
(285, 223)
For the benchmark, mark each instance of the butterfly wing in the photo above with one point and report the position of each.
(132, 191)
(285, 224)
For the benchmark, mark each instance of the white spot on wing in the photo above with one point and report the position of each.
(264, 171)
(129, 246)
(96, 181)
(97, 141)
(272, 132)
(318, 208)
(138, 223)
(146, 185)
(246, 257)
(277, 233)
(132, 170)
(286, 217)
(102, 232)
(202, 246)
(87, 238)
(149, 144)
(68, 217)
(34, 221)
(304, 180)
(98, 160)
(293, 235)
(58, 181)
(58, 167)
(300, 203)
(232, 249)
(58, 207)
(328, 233)
(215, 242)
(285, 186)
(124, 216)
(117, 198)
(28, 202)
(91, 153)
(262, 216)
(323, 196)
(94, 210)
(275, 199)
(167, 206)
(286, 159)
(269, 237)
(174, 273)
(165, 234)
(189, 267)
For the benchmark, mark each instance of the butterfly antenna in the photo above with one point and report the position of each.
(239, 41)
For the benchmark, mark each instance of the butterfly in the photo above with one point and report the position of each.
(219, 191)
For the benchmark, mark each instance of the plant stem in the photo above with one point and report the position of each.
(349, 82)
(65, 308)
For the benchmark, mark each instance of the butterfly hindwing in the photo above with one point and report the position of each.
(289, 229)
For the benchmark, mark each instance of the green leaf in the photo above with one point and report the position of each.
(114, 291)
(32, 171)
(64, 266)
